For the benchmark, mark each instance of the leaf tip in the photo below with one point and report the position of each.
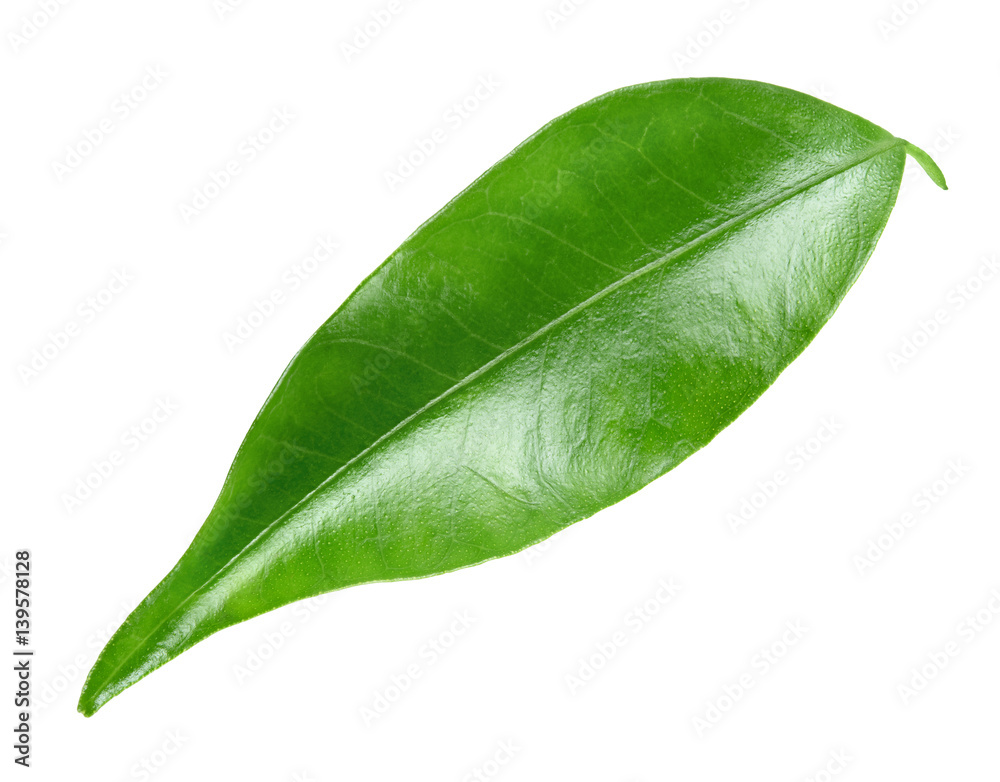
(94, 693)
(89, 703)
(927, 164)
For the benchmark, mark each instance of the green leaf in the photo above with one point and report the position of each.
(587, 314)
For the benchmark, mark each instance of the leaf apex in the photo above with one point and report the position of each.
(86, 706)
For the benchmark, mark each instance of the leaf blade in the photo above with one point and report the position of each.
(572, 271)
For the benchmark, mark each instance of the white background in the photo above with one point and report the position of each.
(927, 72)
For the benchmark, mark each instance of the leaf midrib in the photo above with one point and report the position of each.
(786, 195)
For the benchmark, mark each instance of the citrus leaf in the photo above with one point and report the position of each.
(587, 314)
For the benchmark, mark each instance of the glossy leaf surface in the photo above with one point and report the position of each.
(595, 308)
